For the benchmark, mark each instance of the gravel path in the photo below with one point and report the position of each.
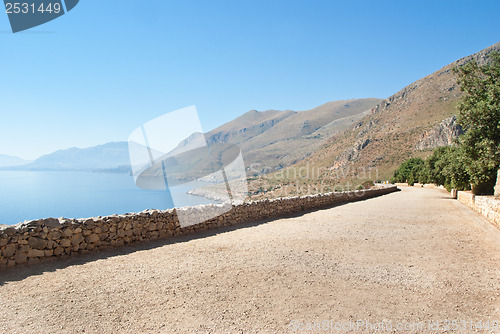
(404, 258)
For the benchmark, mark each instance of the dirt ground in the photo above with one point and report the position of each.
(407, 259)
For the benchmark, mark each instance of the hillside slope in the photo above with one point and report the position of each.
(302, 133)
(409, 123)
(269, 140)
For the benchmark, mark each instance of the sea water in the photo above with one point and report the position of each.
(27, 195)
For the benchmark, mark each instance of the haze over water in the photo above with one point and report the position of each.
(28, 195)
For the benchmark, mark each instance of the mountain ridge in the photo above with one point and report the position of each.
(11, 161)
(394, 129)
(112, 155)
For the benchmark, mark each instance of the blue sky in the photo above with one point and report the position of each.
(95, 74)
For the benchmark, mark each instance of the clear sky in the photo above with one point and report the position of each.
(98, 72)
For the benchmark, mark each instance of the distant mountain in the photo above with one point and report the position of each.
(269, 140)
(110, 156)
(302, 133)
(9, 160)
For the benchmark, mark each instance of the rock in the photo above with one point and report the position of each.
(93, 238)
(58, 251)
(37, 243)
(65, 243)
(49, 252)
(24, 248)
(3, 242)
(497, 186)
(10, 231)
(51, 222)
(76, 239)
(33, 260)
(21, 258)
(443, 134)
(9, 250)
(54, 235)
(36, 253)
(67, 233)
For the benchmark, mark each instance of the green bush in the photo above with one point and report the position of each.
(409, 171)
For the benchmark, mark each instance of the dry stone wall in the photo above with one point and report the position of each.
(497, 185)
(33, 241)
(488, 206)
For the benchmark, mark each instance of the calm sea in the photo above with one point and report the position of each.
(33, 195)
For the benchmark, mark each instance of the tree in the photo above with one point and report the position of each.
(409, 171)
(479, 115)
(446, 167)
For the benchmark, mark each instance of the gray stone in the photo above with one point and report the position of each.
(37, 243)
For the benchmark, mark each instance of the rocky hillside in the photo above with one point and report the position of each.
(442, 134)
(409, 123)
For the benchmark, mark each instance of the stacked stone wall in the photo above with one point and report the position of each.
(33, 241)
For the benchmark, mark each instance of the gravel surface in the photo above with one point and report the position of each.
(401, 259)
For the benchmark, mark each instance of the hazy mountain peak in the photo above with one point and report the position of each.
(10, 160)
